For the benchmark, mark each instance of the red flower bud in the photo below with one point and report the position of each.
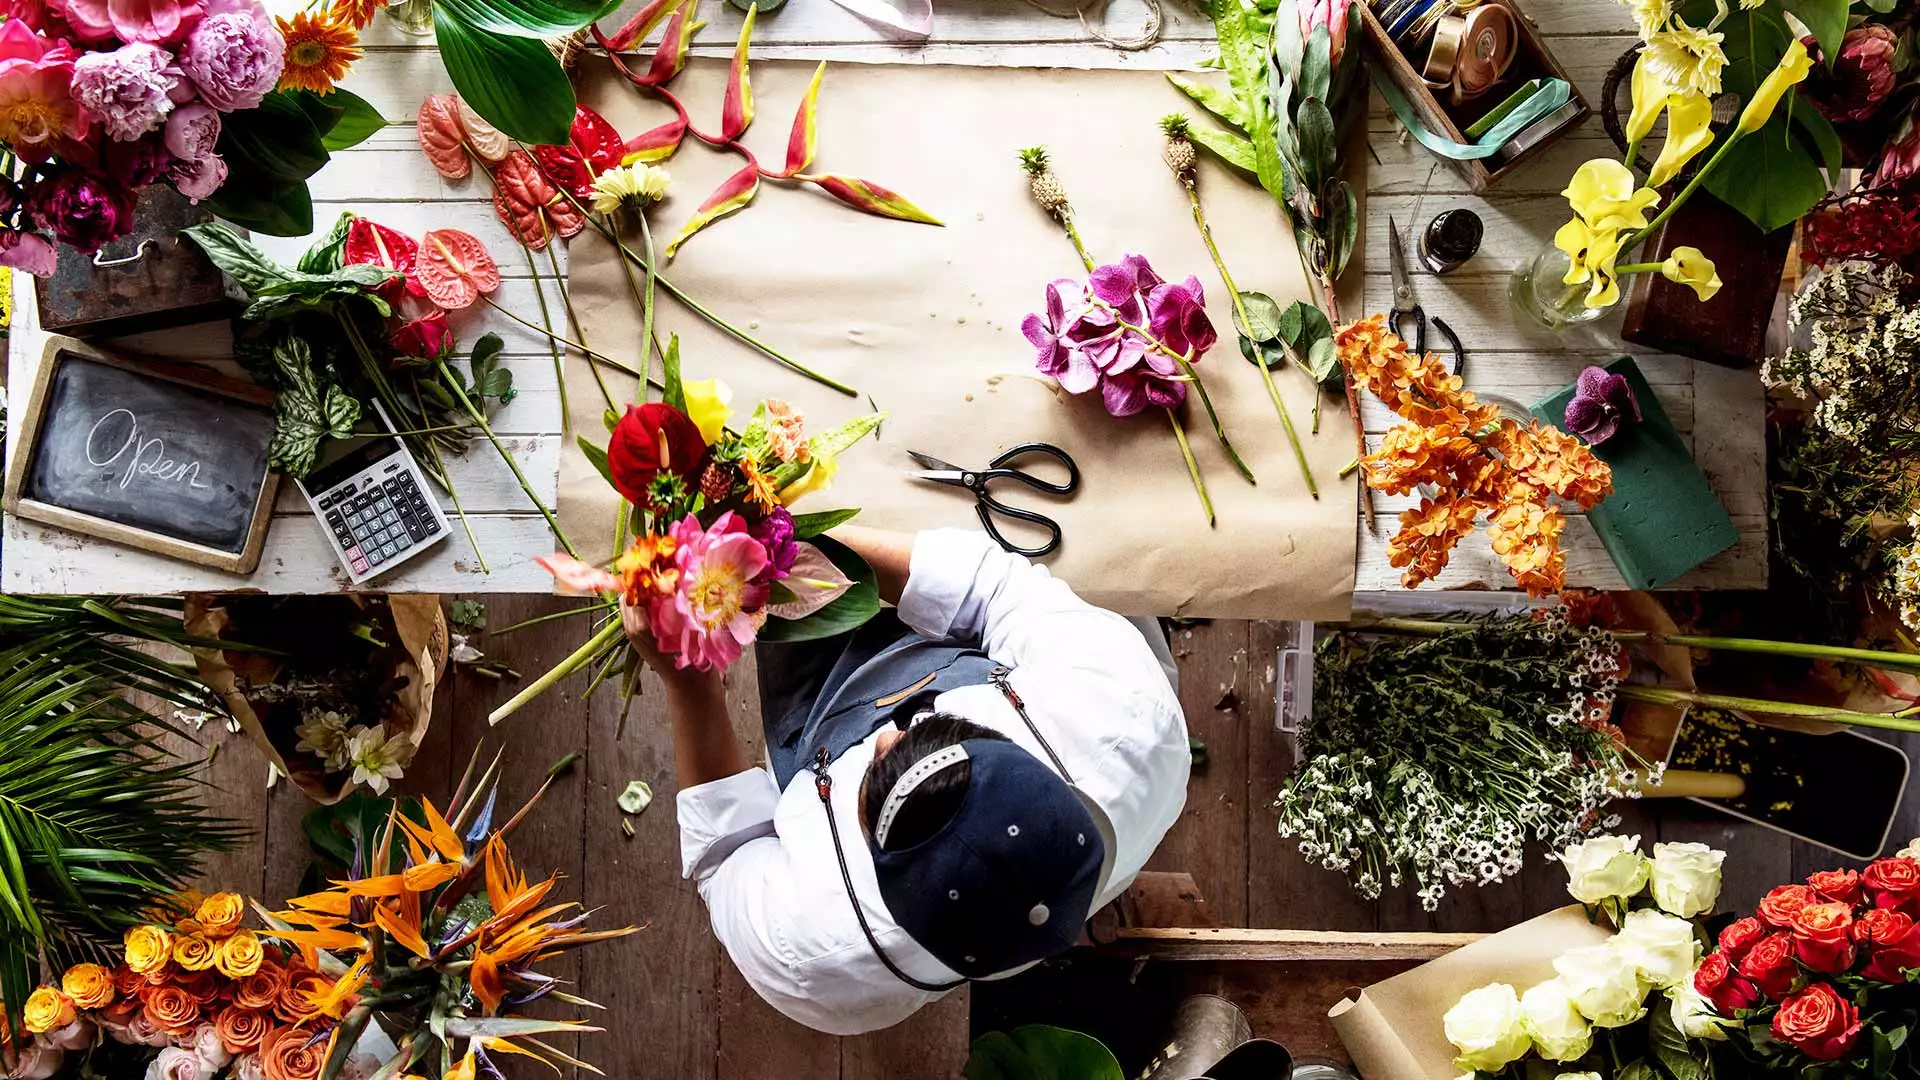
(1818, 1022)
(1729, 991)
(1771, 966)
(651, 439)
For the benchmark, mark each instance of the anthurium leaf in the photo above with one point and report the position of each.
(1228, 147)
(808, 526)
(1769, 177)
(236, 256)
(358, 120)
(1039, 1052)
(328, 253)
(814, 582)
(278, 139)
(731, 197)
(514, 83)
(860, 601)
(531, 19)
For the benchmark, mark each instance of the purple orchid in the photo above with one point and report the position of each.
(1097, 335)
(1177, 315)
(1062, 352)
(1602, 401)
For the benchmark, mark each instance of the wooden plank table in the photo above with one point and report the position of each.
(388, 179)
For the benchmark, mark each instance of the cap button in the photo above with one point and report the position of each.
(1039, 915)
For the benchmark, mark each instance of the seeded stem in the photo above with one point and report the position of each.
(1193, 467)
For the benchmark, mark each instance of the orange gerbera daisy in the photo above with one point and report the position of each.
(355, 13)
(319, 50)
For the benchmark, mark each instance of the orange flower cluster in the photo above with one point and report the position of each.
(198, 984)
(1479, 462)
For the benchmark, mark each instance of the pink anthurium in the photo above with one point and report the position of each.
(455, 268)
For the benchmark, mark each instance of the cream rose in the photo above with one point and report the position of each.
(1911, 851)
(1556, 1027)
(1693, 1014)
(37, 1061)
(1485, 1027)
(1578, 1076)
(1604, 985)
(1604, 868)
(1686, 878)
(207, 1044)
(177, 1064)
(1662, 948)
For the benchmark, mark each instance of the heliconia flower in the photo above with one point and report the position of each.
(731, 197)
(455, 268)
(35, 106)
(872, 198)
(805, 139)
(710, 618)
(654, 144)
(671, 56)
(651, 439)
(736, 109)
(636, 29)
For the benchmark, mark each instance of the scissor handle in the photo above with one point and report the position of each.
(987, 505)
(1418, 339)
(1001, 467)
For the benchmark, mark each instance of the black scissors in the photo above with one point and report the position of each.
(976, 481)
(1404, 308)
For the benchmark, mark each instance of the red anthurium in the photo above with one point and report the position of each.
(372, 244)
(649, 440)
(531, 207)
(593, 147)
(455, 268)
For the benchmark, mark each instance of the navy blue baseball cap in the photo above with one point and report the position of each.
(1011, 877)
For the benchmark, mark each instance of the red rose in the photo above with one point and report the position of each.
(1839, 886)
(1893, 883)
(1891, 942)
(1818, 1022)
(1778, 907)
(649, 440)
(1823, 937)
(1727, 989)
(1740, 936)
(426, 337)
(1770, 965)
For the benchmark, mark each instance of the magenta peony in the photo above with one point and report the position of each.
(234, 55)
(715, 608)
(127, 89)
(83, 211)
(35, 105)
(193, 130)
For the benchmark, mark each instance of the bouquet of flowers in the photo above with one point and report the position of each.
(434, 938)
(1479, 462)
(1818, 981)
(1625, 1008)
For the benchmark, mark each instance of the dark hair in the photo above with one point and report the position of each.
(933, 803)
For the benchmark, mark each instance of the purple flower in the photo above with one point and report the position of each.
(127, 89)
(1153, 383)
(775, 533)
(1061, 355)
(1123, 284)
(200, 178)
(84, 211)
(1098, 336)
(192, 131)
(1177, 315)
(234, 55)
(1602, 401)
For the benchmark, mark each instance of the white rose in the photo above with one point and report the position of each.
(177, 1064)
(1485, 1027)
(1578, 1076)
(1693, 1015)
(247, 1067)
(1911, 851)
(1661, 948)
(37, 1061)
(1686, 878)
(1605, 867)
(1604, 985)
(207, 1044)
(1557, 1029)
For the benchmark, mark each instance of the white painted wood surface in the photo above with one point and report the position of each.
(387, 178)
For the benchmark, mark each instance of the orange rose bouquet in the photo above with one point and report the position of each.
(1476, 461)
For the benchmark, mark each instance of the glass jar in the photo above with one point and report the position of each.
(1539, 291)
(412, 16)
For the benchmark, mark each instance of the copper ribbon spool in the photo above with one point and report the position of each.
(1485, 50)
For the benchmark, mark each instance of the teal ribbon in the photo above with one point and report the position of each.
(1554, 94)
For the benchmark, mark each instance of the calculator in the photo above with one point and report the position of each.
(373, 503)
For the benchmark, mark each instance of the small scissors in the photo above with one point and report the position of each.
(976, 481)
(1404, 307)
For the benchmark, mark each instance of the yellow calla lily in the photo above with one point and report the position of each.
(1650, 93)
(1690, 266)
(1792, 69)
(1606, 196)
(1591, 253)
(707, 402)
(1689, 131)
(818, 478)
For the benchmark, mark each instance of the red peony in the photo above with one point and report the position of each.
(1741, 936)
(1726, 988)
(1771, 966)
(1818, 1022)
(1893, 883)
(1778, 907)
(1891, 942)
(1838, 886)
(649, 440)
(1823, 937)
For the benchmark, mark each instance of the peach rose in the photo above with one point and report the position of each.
(205, 986)
(262, 988)
(241, 1030)
(126, 981)
(240, 955)
(48, 1009)
(292, 1053)
(148, 948)
(89, 985)
(172, 1010)
(194, 952)
(296, 1001)
(221, 914)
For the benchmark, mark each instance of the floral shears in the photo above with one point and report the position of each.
(1405, 308)
(976, 481)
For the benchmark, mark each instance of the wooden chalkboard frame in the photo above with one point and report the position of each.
(19, 468)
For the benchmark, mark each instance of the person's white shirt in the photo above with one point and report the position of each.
(763, 859)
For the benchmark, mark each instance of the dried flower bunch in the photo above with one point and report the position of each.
(1861, 365)
(1479, 461)
(1432, 761)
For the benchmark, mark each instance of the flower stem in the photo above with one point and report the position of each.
(480, 420)
(1686, 193)
(1663, 696)
(579, 328)
(546, 319)
(569, 343)
(1638, 268)
(1193, 376)
(1873, 658)
(1193, 467)
(1073, 234)
(581, 657)
(453, 496)
(646, 305)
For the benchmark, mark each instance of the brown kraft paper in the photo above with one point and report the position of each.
(926, 322)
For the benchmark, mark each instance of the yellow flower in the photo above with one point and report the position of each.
(1793, 68)
(148, 948)
(318, 53)
(1592, 253)
(220, 914)
(818, 478)
(1606, 196)
(240, 955)
(1650, 15)
(1689, 131)
(47, 1010)
(194, 953)
(707, 407)
(1690, 266)
(464, 1070)
(1650, 94)
(1686, 58)
(629, 185)
(89, 985)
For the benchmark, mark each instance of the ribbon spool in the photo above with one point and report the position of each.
(1488, 39)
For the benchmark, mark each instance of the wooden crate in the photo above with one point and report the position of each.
(1533, 60)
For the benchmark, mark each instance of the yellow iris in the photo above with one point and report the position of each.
(1792, 69)
(1690, 266)
(707, 407)
(1689, 131)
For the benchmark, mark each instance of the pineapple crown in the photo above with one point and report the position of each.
(1034, 160)
(1175, 125)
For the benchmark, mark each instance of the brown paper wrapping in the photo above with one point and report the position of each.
(1393, 1029)
(422, 628)
(926, 321)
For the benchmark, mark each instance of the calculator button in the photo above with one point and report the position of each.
(418, 530)
(388, 551)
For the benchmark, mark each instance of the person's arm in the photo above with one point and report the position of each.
(705, 747)
(889, 553)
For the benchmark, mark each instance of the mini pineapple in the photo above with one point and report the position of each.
(1178, 152)
(1047, 189)
(716, 483)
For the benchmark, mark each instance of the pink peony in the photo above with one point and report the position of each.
(192, 131)
(710, 617)
(35, 105)
(88, 19)
(126, 89)
(153, 20)
(234, 55)
(28, 251)
(200, 178)
(84, 211)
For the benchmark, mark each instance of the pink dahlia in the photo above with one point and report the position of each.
(710, 617)
(35, 105)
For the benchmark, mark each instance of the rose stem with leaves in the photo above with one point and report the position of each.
(1051, 194)
(1181, 158)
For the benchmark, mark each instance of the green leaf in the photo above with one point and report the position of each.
(1638, 1070)
(1039, 1052)
(278, 139)
(673, 392)
(1263, 317)
(305, 414)
(808, 526)
(1271, 354)
(1319, 149)
(597, 457)
(326, 254)
(1670, 1047)
(274, 208)
(513, 82)
(1323, 361)
(1818, 130)
(1768, 178)
(1827, 19)
(531, 19)
(1343, 225)
(236, 256)
(1316, 67)
(1228, 147)
(1221, 103)
(358, 120)
(850, 611)
(840, 438)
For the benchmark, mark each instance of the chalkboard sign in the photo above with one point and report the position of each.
(159, 456)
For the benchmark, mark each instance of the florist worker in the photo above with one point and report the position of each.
(951, 792)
